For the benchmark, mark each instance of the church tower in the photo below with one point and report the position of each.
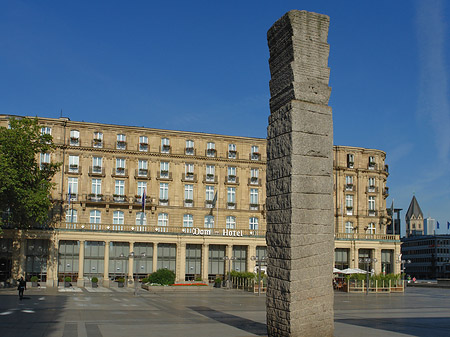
(414, 219)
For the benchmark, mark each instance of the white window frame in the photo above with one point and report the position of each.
(119, 187)
(231, 176)
(95, 216)
(141, 187)
(255, 155)
(74, 164)
(74, 138)
(188, 220)
(46, 130)
(211, 149)
(371, 228)
(232, 151)
(190, 147)
(231, 222)
(72, 183)
(253, 223)
(349, 204)
(163, 219)
(188, 192)
(254, 197)
(165, 145)
(164, 168)
(96, 186)
(209, 221)
(97, 164)
(120, 166)
(97, 139)
(349, 227)
(141, 219)
(72, 215)
(163, 193)
(121, 141)
(210, 172)
(143, 143)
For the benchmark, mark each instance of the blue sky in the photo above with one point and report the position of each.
(203, 66)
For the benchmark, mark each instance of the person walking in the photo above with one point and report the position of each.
(22, 286)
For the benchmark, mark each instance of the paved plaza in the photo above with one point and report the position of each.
(117, 312)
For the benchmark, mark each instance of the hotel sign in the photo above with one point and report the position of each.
(208, 232)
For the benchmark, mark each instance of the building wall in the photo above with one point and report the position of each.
(368, 225)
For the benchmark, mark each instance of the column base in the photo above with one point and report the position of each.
(80, 282)
(106, 283)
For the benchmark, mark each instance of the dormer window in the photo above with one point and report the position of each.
(189, 150)
(121, 142)
(350, 160)
(98, 140)
(74, 137)
(232, 151)
(143, 143)
(211, 149)
(165, 145)
(255, 155)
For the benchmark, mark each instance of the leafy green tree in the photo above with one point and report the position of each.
(162, 276)
(25, 184)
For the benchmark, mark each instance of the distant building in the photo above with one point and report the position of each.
(394, 226)
(414, 219)
(430, 226)
(429, 256)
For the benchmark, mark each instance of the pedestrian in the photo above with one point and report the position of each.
(22, 286)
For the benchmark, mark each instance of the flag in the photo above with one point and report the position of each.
(448, 225)
(143, 200)
(214, 201)
(437, 224)
(70, 195)
(392, 217)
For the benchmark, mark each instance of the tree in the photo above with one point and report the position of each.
(25, 184)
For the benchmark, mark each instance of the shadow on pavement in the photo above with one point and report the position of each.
(414, 326)
(247, 325)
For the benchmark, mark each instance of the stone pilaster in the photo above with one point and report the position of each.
(80, 279)
(205, 256)
(300, 179)
(106, 282)
(155, 256)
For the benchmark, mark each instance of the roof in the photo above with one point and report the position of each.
(414, 209)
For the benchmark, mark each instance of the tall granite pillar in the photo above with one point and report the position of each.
(299, 179)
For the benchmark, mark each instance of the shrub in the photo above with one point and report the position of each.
(94, 280)
(121, 280)
(145, 280)
(198, 279)
(34, 279)
(218, 280)
(68, 279)
(162, 276)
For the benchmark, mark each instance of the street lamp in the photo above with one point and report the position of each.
(229, 259)
(403, 262)
(136, 257)
(258, 261)
(367, 261)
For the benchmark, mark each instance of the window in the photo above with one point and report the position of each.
(72, 188)
(350, 160)
(165, 145)
(190, 147)
(189, 171)
(232, 154)
(210, 172)
(143, 168)
(118, 219)
(74, 138)
(211, 149)
(164, 169)
(71, 215)
(163, 194)
(141, 187)
(253, 223)
(231, 174)
(386, 261)
(141, 219)
(98, 139)
(371, 184)
(73, 164)
(231, 222)
(95, 216)
(188, 194)
(163, 221)
(254, 173)
(121, 142)
(371, 228)
(209, 196)
(372, 206)
(97, 164)
(349, 183)
(209, 221)
(372, 163)
(143, 143)
(341, 258)
(255, 155)
(46, 130)
(120, 166)
(45, 160)
(96, 187)
(188, 220)
(254, 203)
(349, 204)
(349, 227)
(119, 189)
(231, 197)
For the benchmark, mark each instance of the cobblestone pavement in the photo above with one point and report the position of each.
(114, 312)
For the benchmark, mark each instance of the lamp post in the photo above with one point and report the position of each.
(403, 262)
(135, 257)
(258, 261)
(367, 261)
(229, 259)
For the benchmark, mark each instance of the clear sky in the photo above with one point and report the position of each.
(203, 66)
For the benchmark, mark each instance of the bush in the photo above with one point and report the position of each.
(162, 276)
(94, 280)
(218, 280)
(198, 279)
(68, 279)
(34, 279)
(145, 280)
(121, 280)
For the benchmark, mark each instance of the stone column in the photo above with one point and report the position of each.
(155, 256)
(131, 265)
(251, 251)
(106, 282)
(80, 279)
(299, 179)
(181, 262)
(52, 263)
(205, 257)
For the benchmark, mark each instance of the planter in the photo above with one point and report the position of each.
(94, 285)
(34, 284)
(66, 284)
(120, 284)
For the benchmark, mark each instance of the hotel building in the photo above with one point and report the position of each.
(203, 212)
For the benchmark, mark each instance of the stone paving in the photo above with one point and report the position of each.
(95, 312)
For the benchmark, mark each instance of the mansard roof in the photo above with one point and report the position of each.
(414, 210)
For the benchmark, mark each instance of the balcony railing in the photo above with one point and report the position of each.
(210, 178)
(97, 171)
(74, 141)
(211, 152)
(349, 187)
(141, 174)
(232, 179)
(73, 169)
(255, 181)
(142, 147)
(189, 177)
(361, 236)
(372, 189)
(190, 151)
(164, 175)
(96, 142)
(255, 156)
(152, 229)
(121, 145)
(232, 155)
(119, 172)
